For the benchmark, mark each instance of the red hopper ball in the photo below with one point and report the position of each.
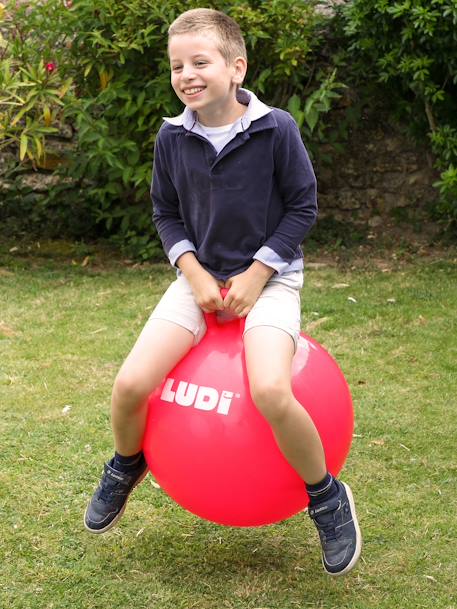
(211, 450)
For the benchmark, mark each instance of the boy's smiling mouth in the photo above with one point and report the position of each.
(193, 90)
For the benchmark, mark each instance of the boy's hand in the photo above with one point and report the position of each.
(245, 288)
(207, 292)
(205, 287)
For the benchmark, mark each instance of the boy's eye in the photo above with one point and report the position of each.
(197, 64)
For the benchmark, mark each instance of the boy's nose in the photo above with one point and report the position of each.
(188, 73)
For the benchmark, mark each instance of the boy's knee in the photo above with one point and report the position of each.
(129, 389)
(271, 397)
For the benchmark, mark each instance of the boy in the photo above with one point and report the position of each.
(234, 195)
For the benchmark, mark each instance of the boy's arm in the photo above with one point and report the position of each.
(297, 185)
(176, 243)
(165, 204)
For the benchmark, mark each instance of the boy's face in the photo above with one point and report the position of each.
(200, 76)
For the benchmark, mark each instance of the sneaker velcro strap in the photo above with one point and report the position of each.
(116, 476)
(324, 508)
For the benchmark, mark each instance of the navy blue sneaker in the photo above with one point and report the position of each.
(339, 531)
(109, 500)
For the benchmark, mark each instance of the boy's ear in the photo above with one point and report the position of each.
(240, 65)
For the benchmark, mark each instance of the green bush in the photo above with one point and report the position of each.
(33, 88)
(102, 66)
(409, 48)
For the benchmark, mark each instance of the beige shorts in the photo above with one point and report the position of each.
(278, 306)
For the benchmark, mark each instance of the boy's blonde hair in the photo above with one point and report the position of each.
(229, 38)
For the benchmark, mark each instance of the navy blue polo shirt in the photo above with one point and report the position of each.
(257, 195)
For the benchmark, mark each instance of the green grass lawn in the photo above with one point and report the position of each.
(66, 323)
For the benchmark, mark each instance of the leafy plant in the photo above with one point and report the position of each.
(102, 68)
(408, 47)
(318, 103)
(33, 89)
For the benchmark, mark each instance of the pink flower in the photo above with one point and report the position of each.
(68, 3)
(50, 67)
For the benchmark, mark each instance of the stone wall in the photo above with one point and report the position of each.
(382, 175)
(39, 178)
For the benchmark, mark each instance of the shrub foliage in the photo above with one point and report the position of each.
(99, 70)
(409, 48)
(102, 67)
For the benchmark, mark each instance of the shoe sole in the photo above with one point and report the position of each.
(358, 544)
(119, 516)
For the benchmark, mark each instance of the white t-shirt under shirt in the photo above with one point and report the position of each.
(220, 136)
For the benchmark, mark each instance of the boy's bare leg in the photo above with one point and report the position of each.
(160, 346)
(269, 352)
(158, 349)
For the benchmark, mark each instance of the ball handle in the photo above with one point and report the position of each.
(213, 319)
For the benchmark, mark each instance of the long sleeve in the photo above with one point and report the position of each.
(165, 204)
(297, 186)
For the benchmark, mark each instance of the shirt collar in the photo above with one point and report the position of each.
(255, 110)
